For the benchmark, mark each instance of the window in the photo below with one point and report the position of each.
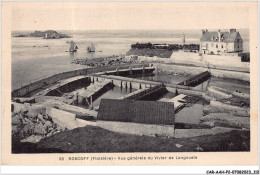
(222, 46)
(216, 46)
(238, 47)
(237, 40)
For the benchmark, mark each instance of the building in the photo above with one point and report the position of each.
(150, 118)
(183, 38)
(220, 42)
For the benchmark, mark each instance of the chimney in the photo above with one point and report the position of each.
(202, 33)
(219, 36)
(232, 31)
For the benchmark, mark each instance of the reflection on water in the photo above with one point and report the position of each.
(163, 78)
(191, 115)
(172, 79)
(114, 93)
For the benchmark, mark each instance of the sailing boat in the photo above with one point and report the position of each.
(73, 47)
(91, 48)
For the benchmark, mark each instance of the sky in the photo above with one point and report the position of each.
(126, 15)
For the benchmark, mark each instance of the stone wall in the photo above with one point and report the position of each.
(196, 70)
(55, 78)
(137, 128)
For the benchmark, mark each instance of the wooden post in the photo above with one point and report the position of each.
(91, 102)
(130, 71)
(77, 101)
(130, 85)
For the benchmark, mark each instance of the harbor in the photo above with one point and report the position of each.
(138, 93)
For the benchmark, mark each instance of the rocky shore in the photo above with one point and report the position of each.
(100, 61)
(32, 123)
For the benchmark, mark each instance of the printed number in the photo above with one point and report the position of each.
(61, 158)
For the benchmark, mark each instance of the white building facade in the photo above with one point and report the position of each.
(220, 42)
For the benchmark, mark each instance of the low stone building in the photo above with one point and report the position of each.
(148, 118)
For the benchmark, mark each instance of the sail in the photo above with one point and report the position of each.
(91, 48)
(71, 46)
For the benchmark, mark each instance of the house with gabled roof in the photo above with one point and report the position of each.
(218, 42)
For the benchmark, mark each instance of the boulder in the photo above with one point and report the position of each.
(46, 117)
(26, 121)
(35, 110)
(208, 123)
(16, 120)
(25, 131)
(40, 129)
(16, 129)
(41, 119)
(50, 129)
(47, 125)
(17, 108)
(32, 139)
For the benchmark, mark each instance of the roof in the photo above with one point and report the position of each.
(148, 112)
(227, 36)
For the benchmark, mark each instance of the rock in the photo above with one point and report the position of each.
(32, 139)
(59, 128)
(50, 129)
(16, 129)
(178, 145)
(231, 145)
(16, 120)
(17, 108)
(35, 110)
(51, 133)
(47, 125)
(198, 148)
(40, 117)
(208, 123)
(243, 136)
(40, 129)
(26, 121)
(26, 131)
(46, 117)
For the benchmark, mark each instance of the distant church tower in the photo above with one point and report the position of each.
(183, 38)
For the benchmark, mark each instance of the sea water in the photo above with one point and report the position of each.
(37, 58)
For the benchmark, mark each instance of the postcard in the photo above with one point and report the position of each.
(129, 83)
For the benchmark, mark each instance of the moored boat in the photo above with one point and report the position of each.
(91, 48)
(73, 47)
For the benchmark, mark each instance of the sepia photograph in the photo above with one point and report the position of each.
(131, 77)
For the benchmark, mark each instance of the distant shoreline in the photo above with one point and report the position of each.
(48, 34)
